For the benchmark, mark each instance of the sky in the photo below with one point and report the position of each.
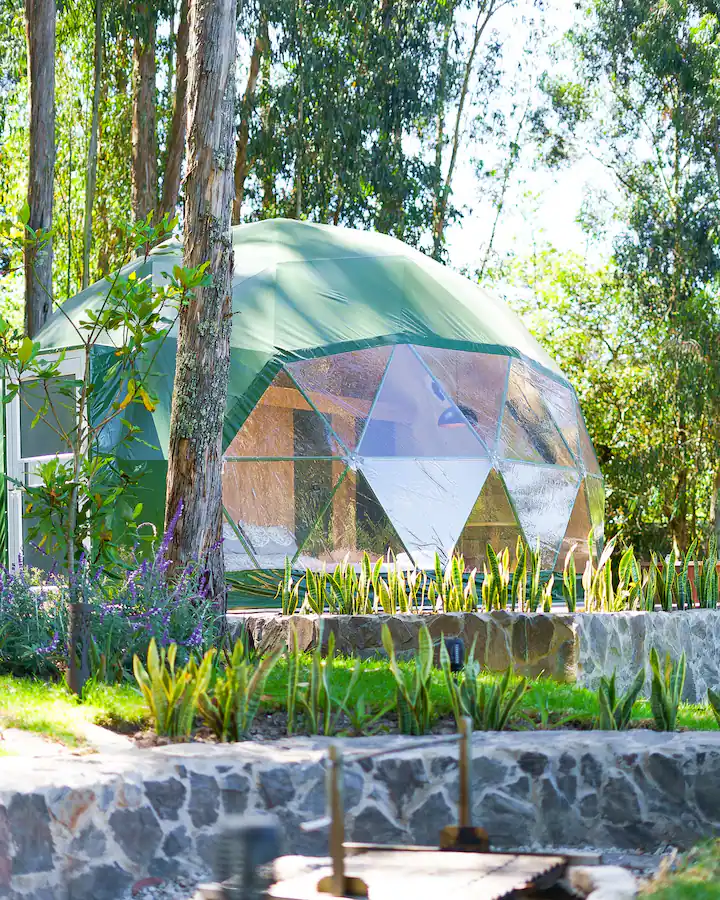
(542, 206)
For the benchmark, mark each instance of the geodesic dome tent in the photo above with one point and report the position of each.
(378, 401)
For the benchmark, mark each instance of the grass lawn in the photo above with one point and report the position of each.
(547, 703)
(697, 877)
(51, 710)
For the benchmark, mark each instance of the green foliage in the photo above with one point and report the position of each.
(706, 577)
(489, 705)
(315, 699)
(616, 711)
(230, 706)
(570, 591)
(414, 705)
(497, 579)
(666, 689)
(714, 704)
(80, 501)
(599, 594)
(288, 591)
(518, 589)
(172, 695)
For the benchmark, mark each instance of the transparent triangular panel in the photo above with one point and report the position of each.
(577, 533)
(528, 431)
(475, 381)
(343, 387)
(428, 501)
(283, 424)
(596, 499)
(543, 498)
(587, 451)
(353, 523)
(491, 521)
(561, 402)
(413, 416)
(274, 505)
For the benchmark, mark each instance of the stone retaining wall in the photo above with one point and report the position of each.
(87, 828)
(577, 647)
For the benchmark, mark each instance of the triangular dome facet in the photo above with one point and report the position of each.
(528, 431)
(414, 417)
(283, 424)
(407, 488)
(491, 521)
(343, 388)
(475, 381)
(353, 523)
(543, 498)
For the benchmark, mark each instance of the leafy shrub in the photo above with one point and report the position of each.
(666, 690)
(172, 695)
(314, 698)
(616, 711)
(33, 622)
(230, 706)
(147, 606)
(414, 705)
(714, 702)
(124, 613)
(490, 706)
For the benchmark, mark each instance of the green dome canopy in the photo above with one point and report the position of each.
(377, 401)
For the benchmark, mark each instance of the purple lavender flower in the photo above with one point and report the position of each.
(195, 639)
(168, 536)
(51, 647)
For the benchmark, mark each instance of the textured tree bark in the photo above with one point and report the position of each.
(261, 46)
(144, 149)
(173, 166)
(92, 157)
(40, 15)
(203, 351)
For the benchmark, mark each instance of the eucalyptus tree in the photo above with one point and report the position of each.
(194, 483)
(647, 103)
(41, 18)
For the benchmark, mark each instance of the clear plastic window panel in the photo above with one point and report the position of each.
(343, 388)
(586, 448)
(577, 533)
(491, 521)
(561, 402)
(528, 431)
(414, 416)
(45, 438)
(354, 523)
(543, 499)
(428, 501)
(475, 381)
(283, 424)
(274, 505)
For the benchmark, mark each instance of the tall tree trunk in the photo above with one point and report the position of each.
(41, 68)
(144, 150)
(261, 46)
(203, 350)
(92, 156)
(176, 144)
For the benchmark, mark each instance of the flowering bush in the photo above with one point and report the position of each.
(33, 622)
(125, 614)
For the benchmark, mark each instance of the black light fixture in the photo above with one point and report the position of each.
(457, 417)
(456, 651)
